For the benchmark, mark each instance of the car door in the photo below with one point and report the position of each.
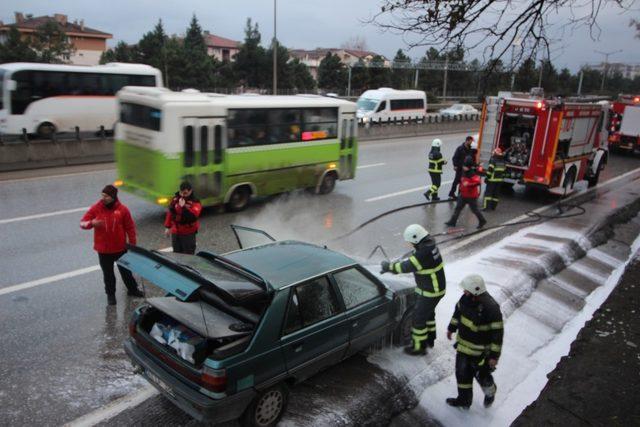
(316, 328)
(368, 306)
(249, 237)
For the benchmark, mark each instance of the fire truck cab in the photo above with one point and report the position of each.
(624, 125)
(548, 143)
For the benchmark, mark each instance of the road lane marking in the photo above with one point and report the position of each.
(373, 165)
(114, 408)
(400, 193)
(44, 215)
(56, 278)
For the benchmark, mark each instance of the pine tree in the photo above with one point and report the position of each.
(251, 60)
(332, 74)
(52, 44)
(199, 72)
(151, 48)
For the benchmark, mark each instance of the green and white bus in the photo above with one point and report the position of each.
(232, 147)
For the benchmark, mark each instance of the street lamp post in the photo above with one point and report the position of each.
(606, 65)
(275, 52)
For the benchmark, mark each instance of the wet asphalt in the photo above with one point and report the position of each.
(61, 346)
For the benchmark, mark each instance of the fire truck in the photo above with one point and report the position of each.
(549, 143)
(624, 125)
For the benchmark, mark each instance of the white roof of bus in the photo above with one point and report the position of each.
(159, 96)
(112, 67)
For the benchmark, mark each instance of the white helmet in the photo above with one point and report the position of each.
(474, 144)
(436, 143)
(414, 233)
(474, 284)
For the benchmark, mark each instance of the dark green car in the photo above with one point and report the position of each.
(230, 333)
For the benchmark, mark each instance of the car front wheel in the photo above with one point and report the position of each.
(267, 408)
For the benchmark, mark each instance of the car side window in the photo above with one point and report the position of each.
(310, 303)
(382, 107)
(355, 287)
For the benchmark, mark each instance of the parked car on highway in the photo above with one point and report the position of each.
(233, 332)
(458, 110)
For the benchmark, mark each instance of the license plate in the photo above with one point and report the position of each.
(157, 381)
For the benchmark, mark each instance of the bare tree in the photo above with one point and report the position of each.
(356, 43)
(495, 26)
(636, 24)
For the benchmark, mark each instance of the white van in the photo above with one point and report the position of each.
(387, 105)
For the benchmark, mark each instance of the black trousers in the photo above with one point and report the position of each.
(184, 243)
(468, 367)
(106, 264)
(436, 179)
(491, 195)
(456, 181)
(424, 322)
(473, 205)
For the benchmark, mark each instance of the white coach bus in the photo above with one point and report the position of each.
(49, 98)
(388, 105)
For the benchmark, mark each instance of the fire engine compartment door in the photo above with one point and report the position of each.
(631, 121)
(489, 128)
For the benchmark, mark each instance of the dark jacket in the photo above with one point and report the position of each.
(460, 154)
(435, 160)
(496, 169)
(183, 219)
(116, 227)
(427, 267)
(478, 321)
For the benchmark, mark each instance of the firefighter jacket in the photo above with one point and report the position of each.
(436, 161)
(183, 219)
(496, 169)
(115, 226)
(427, 267)
(460, 154)
(470, 186)
(478, 322)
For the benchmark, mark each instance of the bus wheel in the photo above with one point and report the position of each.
(46, 129)
(328, 183)
(239, 199)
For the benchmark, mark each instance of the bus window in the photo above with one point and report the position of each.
(1, 89)
(140, 116)
(345, 134)
(217, 144)
(320, 123)
(383, 106)
(188, 146)
(204, 145)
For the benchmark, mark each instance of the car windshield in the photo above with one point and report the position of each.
(457, 107)
(367, 104)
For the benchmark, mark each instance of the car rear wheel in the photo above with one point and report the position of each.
(267, 408)
(46, 130)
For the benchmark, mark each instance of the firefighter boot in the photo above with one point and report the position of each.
(427, 194)
(412, 350)
(456, 402)
(481, 223)
(489, 395)
(111, 299)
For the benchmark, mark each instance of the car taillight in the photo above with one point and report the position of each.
(214, 379)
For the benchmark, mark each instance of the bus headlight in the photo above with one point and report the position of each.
(162, 200)
(331, 166)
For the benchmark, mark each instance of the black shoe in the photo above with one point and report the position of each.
(457, 403)
(111, 299)
(411, 350)
(482, 223)
(450, 224)
(135, 293)
(426, 195)
(430, 344)
(435, 198)
(488, 401)
(452, 197)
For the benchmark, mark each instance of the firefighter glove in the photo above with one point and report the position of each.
(384, 267)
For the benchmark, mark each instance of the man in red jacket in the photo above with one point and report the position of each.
(181, 220)
(469, 193)
(112, 226)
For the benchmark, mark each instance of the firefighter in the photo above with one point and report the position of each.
(436, 161)
(428, 269)
(460, 154)
(494, 178)
(469, 193)
(477, 323)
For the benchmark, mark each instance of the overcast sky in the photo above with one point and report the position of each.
(303, 24)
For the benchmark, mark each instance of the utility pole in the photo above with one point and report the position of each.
(444, 84)
(415, 83)
(275, 52)
(516, 42)
(349, 85)
(606, 65)
(540, 75)
(580, 82)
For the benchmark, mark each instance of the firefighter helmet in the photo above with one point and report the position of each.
(498, 151)
(414, 233)
(474, 284)
(436, 143)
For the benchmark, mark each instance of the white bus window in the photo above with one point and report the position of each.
(188, 146)
(217, 144)
(204, 145)
(140, 115)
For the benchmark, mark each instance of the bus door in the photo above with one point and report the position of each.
(348, 145)
(203, 156)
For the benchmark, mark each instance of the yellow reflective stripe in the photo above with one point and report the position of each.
(466, 350)
(469, 324)
(437, 161)
(470, 344)
(500, 169)
(454, 321)
(496, 325)
(434, 170)
(431, 322)
(432, 328)
(495, 348)
(431, 270)
(429, 294)
(415, 262)
(465, 386)
(397, 267)
(419, 331)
